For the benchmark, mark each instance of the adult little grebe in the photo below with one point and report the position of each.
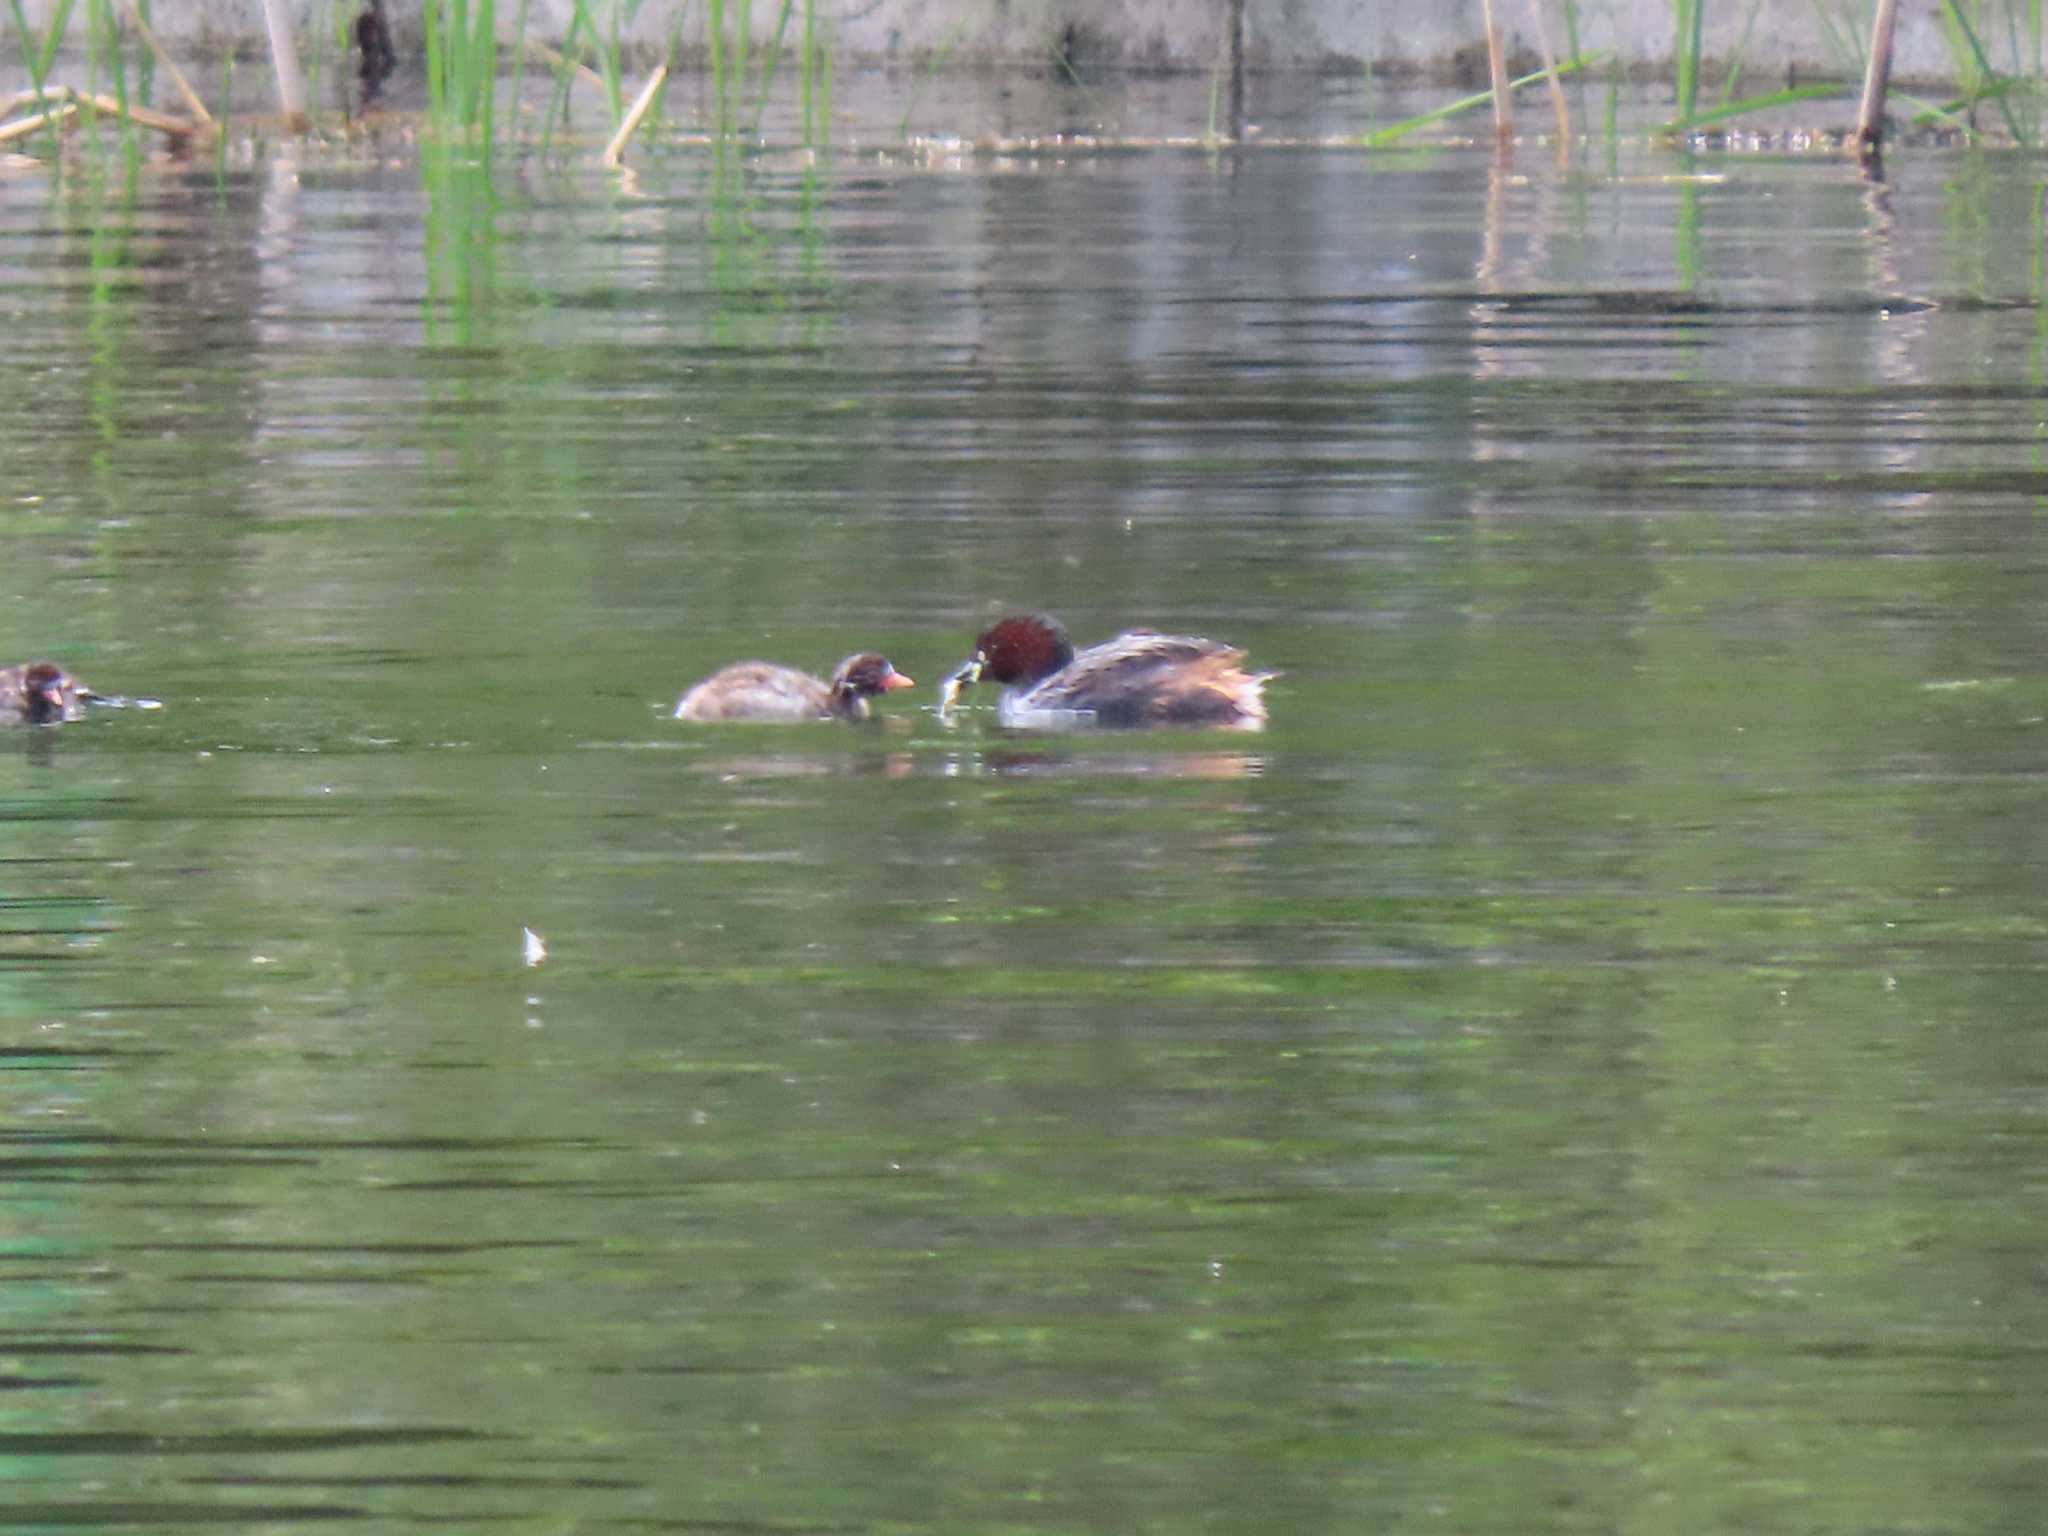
(1138, 679)
(40, 693)
(760, 690)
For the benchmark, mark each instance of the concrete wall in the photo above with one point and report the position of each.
(1436, 39)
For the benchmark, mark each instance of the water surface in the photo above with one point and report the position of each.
(1578, 1069)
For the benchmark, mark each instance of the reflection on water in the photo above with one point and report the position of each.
(1589, 1031)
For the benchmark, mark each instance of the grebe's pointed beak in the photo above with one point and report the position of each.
(896, 680)
(966, 677)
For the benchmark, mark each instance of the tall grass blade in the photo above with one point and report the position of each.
(926, 71)
(1571, 44)
(742, 40)
(33, 58)
(437, 65)
(518, 63)
(611, 64)
(769, 62)
(220, 137)
(1969, 33)
(1734, 75)
(104, 34)
(1750, 104)
(322, 18)
(1690, 18)
(1393, 133)
(53, 39)
(805, 84)
(169, 66)
(721, 107)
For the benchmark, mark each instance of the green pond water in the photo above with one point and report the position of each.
(1581, 1070)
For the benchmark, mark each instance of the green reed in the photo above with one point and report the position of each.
(927, 70)
(729, 52)
(742, 38)
(1978, 79)
(819, 132)
(715, 43)
(1846, 45)
(1749, 104)
(771, 60)
(330, 29)
(1613, 118)
(1393, 133)
(145, 61)
(558, 96)
(806, 65)
(581, 33)
(1690, 19)
(518, 61)
(104, 50)
(462, 67)
(1572, 48)
(220, 121)
(37, 57)
(1690, 115)
(1733, 74)
(614, 65)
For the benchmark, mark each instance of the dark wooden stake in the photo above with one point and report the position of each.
(1497, 66)
(1877, 80)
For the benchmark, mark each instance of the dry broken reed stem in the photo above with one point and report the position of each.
(641, 103)
(1557, 102)
(284, 64)
(555, 60)
(184, 87)
(28, 125)
(162, 122)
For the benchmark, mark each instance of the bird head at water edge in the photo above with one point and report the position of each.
(1016, 651)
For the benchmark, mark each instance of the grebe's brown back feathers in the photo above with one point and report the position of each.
(761, 690)
(1139, 679)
